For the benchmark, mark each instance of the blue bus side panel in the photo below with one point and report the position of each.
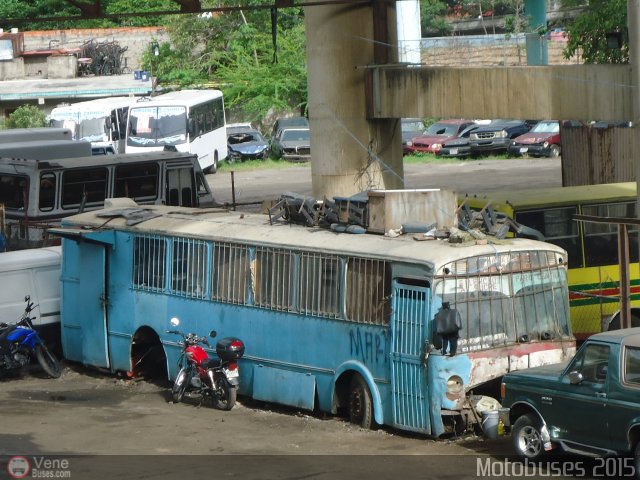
(83, 321)
(284, 386)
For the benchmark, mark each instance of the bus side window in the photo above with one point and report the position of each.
(558, 227)
(601, 239)
(47, 194)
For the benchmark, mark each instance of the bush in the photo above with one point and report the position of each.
(27, 116)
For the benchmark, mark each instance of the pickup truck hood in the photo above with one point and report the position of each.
(538, 373)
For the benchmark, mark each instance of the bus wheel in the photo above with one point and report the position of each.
(214, 167)
(360, 405)
(615, 323)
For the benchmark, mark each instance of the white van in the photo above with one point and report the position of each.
(34, 272)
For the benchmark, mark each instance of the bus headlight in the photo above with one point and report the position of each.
(455, 386)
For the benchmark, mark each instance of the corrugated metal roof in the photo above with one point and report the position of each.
(81, 87)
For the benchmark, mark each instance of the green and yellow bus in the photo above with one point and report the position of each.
(592, 247)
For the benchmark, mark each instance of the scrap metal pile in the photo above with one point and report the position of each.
(102, 58)
(351, 215)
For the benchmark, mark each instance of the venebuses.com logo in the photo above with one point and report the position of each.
(38, 467)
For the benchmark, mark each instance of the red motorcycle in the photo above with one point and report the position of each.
(217, 378)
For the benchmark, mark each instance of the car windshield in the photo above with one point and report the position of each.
(444, 129)
(244, 137)
(546, 127)
(467, 131)
(412, 126)
(295, 135)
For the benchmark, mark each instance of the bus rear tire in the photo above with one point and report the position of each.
(360, 404)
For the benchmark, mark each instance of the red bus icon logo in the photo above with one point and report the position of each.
(18, 467)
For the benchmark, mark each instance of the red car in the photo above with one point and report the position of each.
(432, 138)
(543, 140)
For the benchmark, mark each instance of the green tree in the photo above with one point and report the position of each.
(26, 116)
(588, 31)
(17, 9)
(432, 13)
(234, 51)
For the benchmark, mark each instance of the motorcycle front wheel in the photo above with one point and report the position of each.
(48, 361)
(180, 385)
(225, 396)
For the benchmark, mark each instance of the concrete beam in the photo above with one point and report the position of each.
(564, 92)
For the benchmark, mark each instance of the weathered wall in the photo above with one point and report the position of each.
(571, 92)
(135, 39)
(490, 51)
(598, 155)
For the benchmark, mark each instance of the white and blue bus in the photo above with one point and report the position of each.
(331, 321)
(191, 121)
(102, 121)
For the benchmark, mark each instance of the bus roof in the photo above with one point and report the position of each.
(28, 134)
(556, 196)
(180, 97)
(100, 107)
(254, 229)
(33, 257)
(23, 165)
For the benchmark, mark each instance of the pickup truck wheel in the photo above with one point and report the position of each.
(527, 439)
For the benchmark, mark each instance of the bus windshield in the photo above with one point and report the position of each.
(157, 126)
(93, 130)
(516, 305)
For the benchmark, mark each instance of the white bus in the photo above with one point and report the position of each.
(189, 120)
(102, 121)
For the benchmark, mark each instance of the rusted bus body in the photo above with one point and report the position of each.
(330, 321)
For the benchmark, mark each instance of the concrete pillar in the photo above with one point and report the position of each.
(349, 153)
(537, 50)
(633, 23)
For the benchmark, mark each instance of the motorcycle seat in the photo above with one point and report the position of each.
(214, 363)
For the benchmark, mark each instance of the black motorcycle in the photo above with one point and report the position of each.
(19, 343)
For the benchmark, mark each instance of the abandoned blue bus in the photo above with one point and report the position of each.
(339, 322)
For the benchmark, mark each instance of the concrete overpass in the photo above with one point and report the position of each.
(357, 93)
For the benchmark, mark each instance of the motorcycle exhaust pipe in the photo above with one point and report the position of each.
(213, 383)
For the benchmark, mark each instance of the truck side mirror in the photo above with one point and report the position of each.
(575, 377)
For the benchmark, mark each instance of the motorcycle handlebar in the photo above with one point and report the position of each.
(190, 337)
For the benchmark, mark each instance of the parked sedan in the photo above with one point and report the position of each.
(292, 144)
(543, 140)
(432, 138)
(497, 136)
(458, 147)
(410, 127)
(246, 143)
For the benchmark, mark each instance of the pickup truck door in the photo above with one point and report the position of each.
(578, 414)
